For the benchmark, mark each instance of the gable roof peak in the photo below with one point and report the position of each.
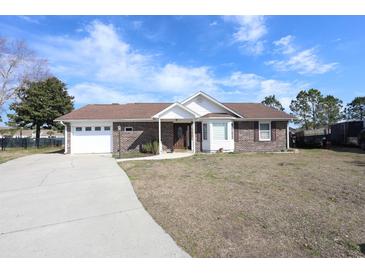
(215, 101)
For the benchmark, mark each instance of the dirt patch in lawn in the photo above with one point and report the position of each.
(310, 204)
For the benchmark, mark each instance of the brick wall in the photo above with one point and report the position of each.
(68, 145)
(245, 137)
(143, 132)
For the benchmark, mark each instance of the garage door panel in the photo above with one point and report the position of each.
(91, 141)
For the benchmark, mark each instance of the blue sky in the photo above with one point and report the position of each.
(107, 59)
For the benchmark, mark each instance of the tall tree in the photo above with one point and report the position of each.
(301, 109)
(39, 103)
(271, 101)
(356, 109)
(314, 99)
(307, 108)
(18, 65)
(330, 110)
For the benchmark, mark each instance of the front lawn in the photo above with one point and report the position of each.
(13, 153)
(310, 204)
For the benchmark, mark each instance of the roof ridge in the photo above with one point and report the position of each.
(242, 103)
(122, 104)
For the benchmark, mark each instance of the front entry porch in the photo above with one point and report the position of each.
(182, 136)
(183, 129)
(184, 139)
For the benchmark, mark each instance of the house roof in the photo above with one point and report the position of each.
(150, 110)
(115, 111)
(178, 105)
(24, 132)
(258, 111)
(200, 93)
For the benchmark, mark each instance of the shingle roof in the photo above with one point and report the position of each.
(115, 111)
(257, 111)
(147, 110)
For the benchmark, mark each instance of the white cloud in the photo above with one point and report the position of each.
(86, 93)
(180, 79)
(250, 31)
(214, 23)
(107, 69)
(137, 24)
(285, 44)
(260, 86)
(29, 19)
(304, 61)
(102, 54)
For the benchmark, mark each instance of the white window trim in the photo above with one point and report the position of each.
(265, 122)
(226, 133)
(125, 129)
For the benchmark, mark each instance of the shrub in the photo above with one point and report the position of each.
(150, 147)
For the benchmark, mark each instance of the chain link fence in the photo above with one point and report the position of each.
(9, 142)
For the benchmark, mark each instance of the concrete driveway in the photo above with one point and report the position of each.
(54, 205)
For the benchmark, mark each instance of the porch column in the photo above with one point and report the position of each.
(194, 138)
(159, 137)
(287, 136)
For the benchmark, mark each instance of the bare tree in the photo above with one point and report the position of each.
(18, 65)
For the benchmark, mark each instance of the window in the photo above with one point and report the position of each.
(265, 131)
(78, 128)
(220, 131)
(107, 128)
(128, 129)
(205, 132)
(97, 128)
(87, 128)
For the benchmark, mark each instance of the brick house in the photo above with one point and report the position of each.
(200, 124)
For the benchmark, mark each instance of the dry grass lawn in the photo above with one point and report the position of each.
(13, 153)
(310, 204)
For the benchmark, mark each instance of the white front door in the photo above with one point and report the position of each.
(91, 138)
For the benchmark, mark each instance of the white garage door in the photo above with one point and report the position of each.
(91, 139)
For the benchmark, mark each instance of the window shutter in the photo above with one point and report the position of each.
(256, 131)
(235, 133)
(273, 131)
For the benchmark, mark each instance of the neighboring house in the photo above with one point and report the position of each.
(23, 133)
(29, 133)
(200, 123)
(47, 133)
(5, 131)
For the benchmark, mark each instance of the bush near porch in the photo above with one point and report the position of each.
(310, 204)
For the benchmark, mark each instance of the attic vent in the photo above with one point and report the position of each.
(199, 99)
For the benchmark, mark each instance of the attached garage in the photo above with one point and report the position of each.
(91, 138)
